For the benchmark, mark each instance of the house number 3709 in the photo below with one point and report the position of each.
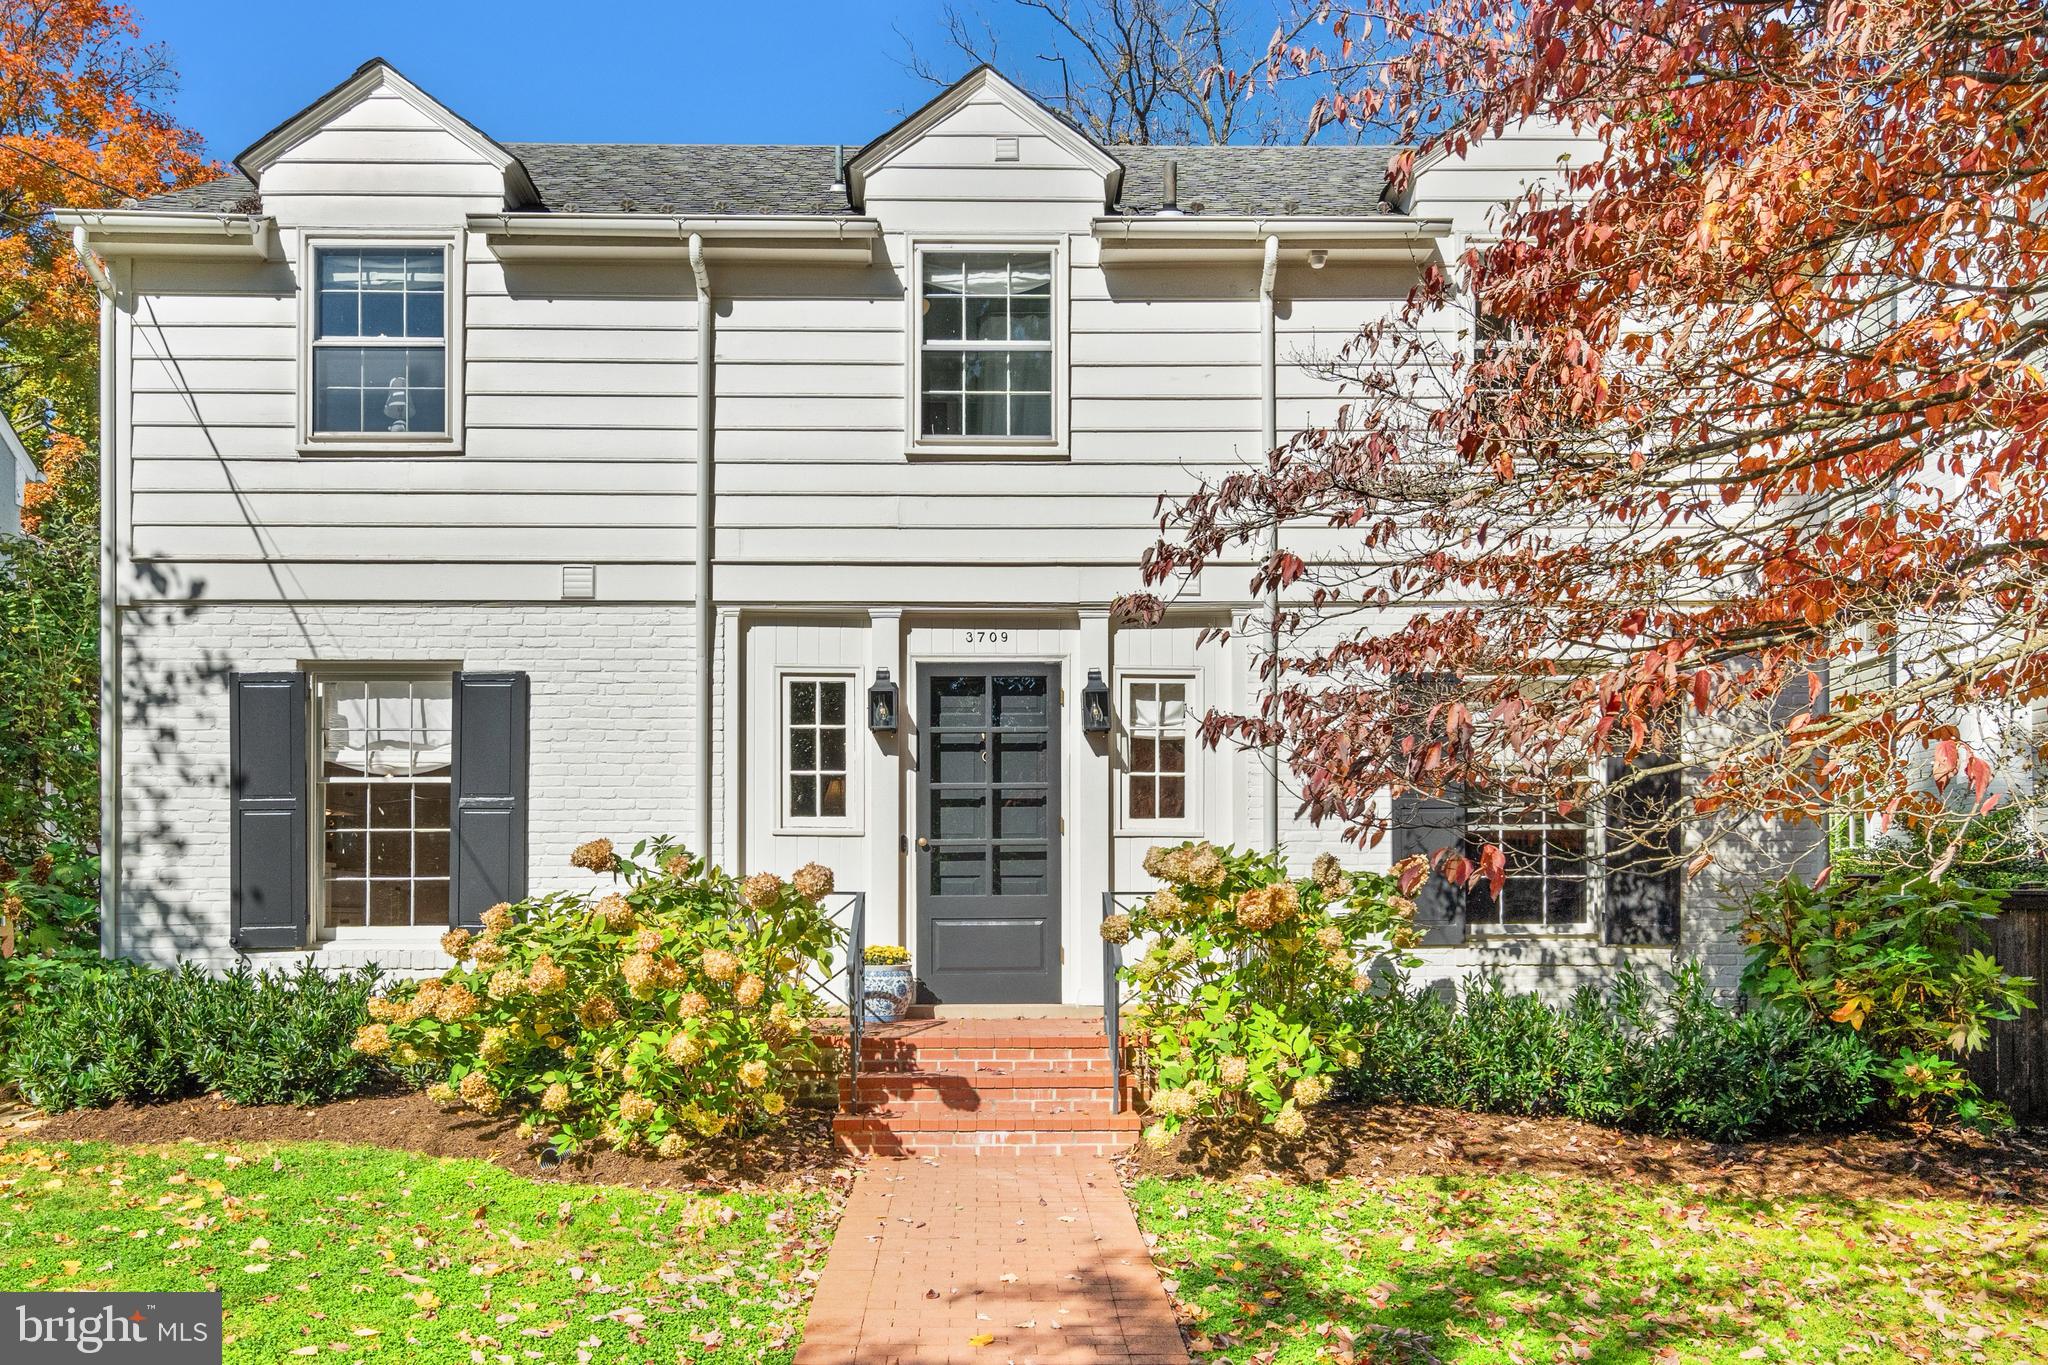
(988, 637)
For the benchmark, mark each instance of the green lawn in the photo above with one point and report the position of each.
(357, 1253)
(1527, 1269)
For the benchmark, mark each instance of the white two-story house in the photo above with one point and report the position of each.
(466, 500)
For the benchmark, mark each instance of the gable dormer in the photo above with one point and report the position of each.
(984, 141)
(378, 150)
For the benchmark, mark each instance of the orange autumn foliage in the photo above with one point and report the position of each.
(1751, 478)
(81, 124)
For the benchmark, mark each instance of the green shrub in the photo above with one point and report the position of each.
(675, 1006)
(1242, 990)
(49, 926)
(1899, 960)
(1627, 1056)
(125, 1032)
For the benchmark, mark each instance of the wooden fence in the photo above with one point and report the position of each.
(2014, 1067)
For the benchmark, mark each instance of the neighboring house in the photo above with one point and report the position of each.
(21, 472)
(473, 499)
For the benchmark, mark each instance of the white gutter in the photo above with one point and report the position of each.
(155, 232)
(1269, 415)
(706, 489)
(584, 236)
(1203, 237)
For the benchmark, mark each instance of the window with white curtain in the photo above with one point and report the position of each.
(386, 745)
(380, 342)
(1157, 777)
(985, 346)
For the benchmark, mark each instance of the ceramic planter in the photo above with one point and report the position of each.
(886, 993)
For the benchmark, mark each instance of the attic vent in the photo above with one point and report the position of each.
(579, 582)
(1006, 149)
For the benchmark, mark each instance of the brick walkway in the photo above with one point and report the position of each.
(1039, 1254)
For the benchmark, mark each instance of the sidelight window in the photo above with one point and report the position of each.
(817, 734)
(1157, 774)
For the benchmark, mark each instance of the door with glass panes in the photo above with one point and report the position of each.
(988, 822)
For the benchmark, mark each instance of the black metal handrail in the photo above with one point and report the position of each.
(1113, 1000)
(856, 991)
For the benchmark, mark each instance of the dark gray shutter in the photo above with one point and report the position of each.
(489, 806)
(1429, 823)
(269, 781)
(1643, 872)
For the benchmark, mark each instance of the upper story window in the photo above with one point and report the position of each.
(380, 342)
(985, 346)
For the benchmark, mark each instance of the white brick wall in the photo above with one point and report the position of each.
(612, 733)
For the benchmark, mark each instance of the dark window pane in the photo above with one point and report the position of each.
(1173, 755)
(390, 903)
(430, 903)
(341, 269)
(432, 852)
(383, 315)
(832, 703)
(958, 701)
(803, 796)
(957, 815)
(423, 315)
(1567, 900)
(942, 274)
(1522, 901)
(803, 703)
(430, 805)
(1031, 416)
(988, 319)
(345, 851)
(832, 751)
(337, 315)
(1020, 701)
(832, 801)
(1031, 319)
(1143, 804)
(1031, 370)
(959, 873)
(1020, 758)
(429, 411)
(942, 319)
(943, 416)
(346, 802)
(958, 758)
(347, 902)
(1021, 872)
(1021, 815)
(987, 417)
(391, 807)
(803, 750)
(1144, 754)
(1173, 798)
(941, 371)
(986, 373)
(391, 854)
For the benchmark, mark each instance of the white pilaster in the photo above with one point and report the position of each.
(888, 920)
(1090, 823)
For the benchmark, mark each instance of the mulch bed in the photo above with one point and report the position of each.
(409, 1121)
(1398, 1140)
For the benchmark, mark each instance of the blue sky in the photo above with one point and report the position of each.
(688, 71)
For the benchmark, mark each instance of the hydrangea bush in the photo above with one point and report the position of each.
(672, 1007)
(1242, 986)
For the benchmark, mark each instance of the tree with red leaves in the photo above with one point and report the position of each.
(1728, 458)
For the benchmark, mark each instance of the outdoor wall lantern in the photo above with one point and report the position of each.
(882, 704)
(1095, 704)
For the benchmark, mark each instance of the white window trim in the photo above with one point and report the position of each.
(1054, 446)
(1594, 906)
(311, 442)
(853, 822)
(1192, 823)
(380, 670)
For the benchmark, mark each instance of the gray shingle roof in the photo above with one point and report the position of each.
(705, 179)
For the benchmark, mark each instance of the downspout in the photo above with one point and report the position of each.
(1269, 395)
(110, 616)
(706, 616)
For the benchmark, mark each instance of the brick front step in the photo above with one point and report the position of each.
(963, 1086)
(1075, 1136)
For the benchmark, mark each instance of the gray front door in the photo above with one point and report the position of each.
(988, 824)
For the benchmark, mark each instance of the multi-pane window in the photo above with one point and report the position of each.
(1156, 777)
(385, 749)
(380, 341)
(1548, 862)
(985, 345)
(814, 736)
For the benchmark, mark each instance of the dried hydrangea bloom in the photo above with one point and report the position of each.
(683, 1050)
(1116, 928)
(1204, 867)
(1311, 1090)
(497, 919)
(692, 1005)
(1401, 906)
(636, 1108)
(597, 1011)
(1330, 937)
(719, 965)
(761, 890)
(1289, 1123)
(1178, 1104)
(614, 912)
(456, 1004)
(1166, 903)
(488, 955)
(754, 1074)
(506, 985)
(1264, 907)
(648, 941)
(546, 976)
(555, 1098)
(1164, 863)
(813, 881)
(672, 1146)
(1327, 872)
(1156, 1137)
(641, 976)
(748, 992)
(479, 1094)
(496, 1045)
(372, 1040)
(1233, 1072)
(678, 865)
(440, 1092)
(773, 1102)
(595, 856)
(455, 943)
(710, 1125)
(382, 1007)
